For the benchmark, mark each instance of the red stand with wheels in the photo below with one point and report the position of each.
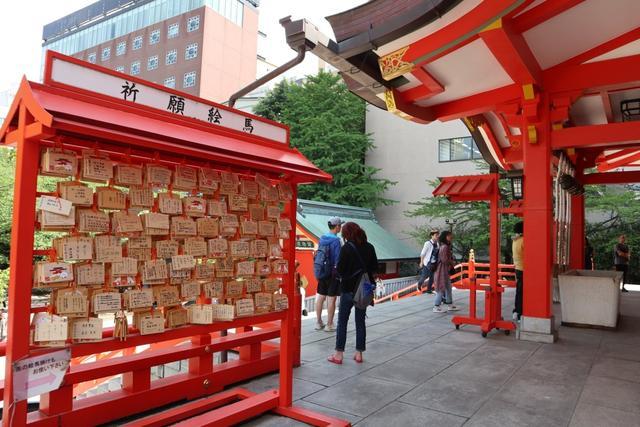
(476, 188)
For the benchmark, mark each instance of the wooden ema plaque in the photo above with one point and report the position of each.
(208, 180)
(106, 302)
(253, 285)
(213, 289)
(266, 228)
(262, 181)
(207, 227)
(248, 227)
(218, 248)
(271, 284)
(108, 248)
(224, 267)
(86, 330)
(256, 212)
(167, 248)
(166, 296)
(185, 178)
(246, 268)
(53, 272)
(127, 175)
(280, 266)
(263, 302)
(90, 274)
(263, 268)
(238, 203)
(239, 249)
(90, 221)
(50, 221)
(141, 197)
(269, 194)
(56, 162)
(183, 227)
(71, 302)
(234, 289)
(155, 224)
(280, 302)
(50, 329)
(259, 248)
(178, 276)
(285, 191)
(125, 223)
(155, 270)
(204, 270)
(195, 246)
(150, 323)
(138, 299)
(200, 314)
(183, 262)
(194, 206)
(127, 266)
(96, 168)
(75, 248)
(77, 193)
(284, 224)
(245, 307)
(223, 312)
(169, 204)
(190, 290)
(250, 189)
(176, 317)
(216, 208)
(273, 212)
(158, 176)
(111, 198)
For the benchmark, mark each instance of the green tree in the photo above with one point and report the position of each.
(327, 124)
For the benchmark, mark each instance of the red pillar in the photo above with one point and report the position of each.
(21, 259)
(576, 259)
(537, 322)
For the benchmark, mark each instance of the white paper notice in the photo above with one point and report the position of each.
(55, 205)
(39, 374)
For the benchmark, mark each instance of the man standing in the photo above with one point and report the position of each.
(621, 256)
(325, 263)
(428, 258)
(517, 250)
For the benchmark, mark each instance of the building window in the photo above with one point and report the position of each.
(106, 54)
(455, 149)
(189, 79)
(135, 68)
(121, 48)
(170, 82)
(172, 57)
(120, 68)
(137, 42)
(191, 51)
(152, 62)
(154, 37)
(193, 23)
(92, 57)
(173, 30)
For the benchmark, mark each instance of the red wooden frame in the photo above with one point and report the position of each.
(30, 126)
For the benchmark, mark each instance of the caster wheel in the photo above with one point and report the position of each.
(507, 332)
(484, 335)
(457, 326)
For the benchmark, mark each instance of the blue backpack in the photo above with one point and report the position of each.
(322, 267)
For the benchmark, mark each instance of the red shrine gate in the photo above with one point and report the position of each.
(546, 88)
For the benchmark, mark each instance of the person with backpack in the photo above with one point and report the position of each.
(357, 268)
(444, 269)
(325, 262)
(428, 261)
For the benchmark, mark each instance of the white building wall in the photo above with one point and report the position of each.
(407, 152)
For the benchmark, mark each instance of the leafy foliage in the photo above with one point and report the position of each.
(327, 124)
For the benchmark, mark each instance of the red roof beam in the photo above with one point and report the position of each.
(512, 52)
(541, 13)
(617, 154)
(478, 103)
(625, 161)
(429, 87)
(612, 135)
(626, 177)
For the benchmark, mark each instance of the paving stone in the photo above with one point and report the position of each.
(402, 414)
(301, 388)
(413, 337)
(617, 368)
(621, 351)
(269, 420)
(589, 415)
(318, 350)
(326, 373)
(407, 370)
(380, 351)
(612, 393)
(328, 411)
(557, 369)
(452, 395)
(496, 413)
(439, 352)
(360, 395)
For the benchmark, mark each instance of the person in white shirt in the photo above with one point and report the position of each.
(428, 257)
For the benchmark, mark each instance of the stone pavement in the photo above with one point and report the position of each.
(419, 371)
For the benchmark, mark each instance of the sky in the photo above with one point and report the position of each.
(21, 31)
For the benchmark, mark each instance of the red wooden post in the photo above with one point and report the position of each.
(287, 337)
(202, 364)
(537, 322)
(577, 255)
(21, 259)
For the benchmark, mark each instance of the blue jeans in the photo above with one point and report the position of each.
(444, 296)
(346, 303)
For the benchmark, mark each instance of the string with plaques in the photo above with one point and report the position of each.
(155, 245)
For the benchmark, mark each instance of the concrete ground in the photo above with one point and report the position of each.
(420, 371)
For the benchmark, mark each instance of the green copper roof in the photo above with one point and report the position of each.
(313, 217)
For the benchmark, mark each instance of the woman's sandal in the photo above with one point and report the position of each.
(333, 359)
(357, 359)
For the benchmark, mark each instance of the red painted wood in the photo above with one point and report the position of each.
(541, 13)
(604, 136)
